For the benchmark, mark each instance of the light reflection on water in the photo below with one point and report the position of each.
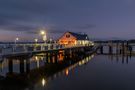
(39, 76)
(101, 73)
(96, 72)
(43, 82)
(66, 71)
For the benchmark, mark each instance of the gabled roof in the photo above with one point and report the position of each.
(80, 36)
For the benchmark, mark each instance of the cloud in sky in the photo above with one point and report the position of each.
(94, 17)
(28, 16)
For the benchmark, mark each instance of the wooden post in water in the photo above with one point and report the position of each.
(46, 57)
(120, 48)
(127, 47)
(22, 66)
(123, 48)
(27, 65)
(117, 48)
(51, 55)
(127, 58)
(130, 50)
(72, 53)
(110, 49)
(101, 49)
(56, 56)
(65, 54)
(10, 66)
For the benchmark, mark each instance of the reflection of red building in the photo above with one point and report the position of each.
(70, 38)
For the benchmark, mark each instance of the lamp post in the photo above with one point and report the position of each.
(43, 33)
(16, 39)
(50, 40)
(36, 40)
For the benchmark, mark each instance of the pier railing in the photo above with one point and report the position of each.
(19, 48)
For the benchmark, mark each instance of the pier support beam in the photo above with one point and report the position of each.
(110, 49)
(56, 57)
(130, 50)
(51, 55)
(10, 66)
(21, 66)
(123, 48)
(117, 48)
(27, 65)
(46, 57)
(101, 49)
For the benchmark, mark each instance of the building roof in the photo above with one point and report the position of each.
(80, 36)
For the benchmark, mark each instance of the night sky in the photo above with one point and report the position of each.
(104, 19)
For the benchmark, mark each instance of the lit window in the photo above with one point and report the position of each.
(67, 36)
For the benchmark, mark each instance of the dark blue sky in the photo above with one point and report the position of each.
(98, 18)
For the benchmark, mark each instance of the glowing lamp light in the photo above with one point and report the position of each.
(67, 72)
(92, 44)
(36, 58)
(43, 82)
(17, 39)
(44, 38)
(42, 32)
(36, 40)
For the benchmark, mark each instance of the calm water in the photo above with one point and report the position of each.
(100, 73)
(92, 72)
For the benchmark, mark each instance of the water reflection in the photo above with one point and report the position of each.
(44, 82)
(71, 66)
(85, 60)
(41, 67)
(66, 72)
(119, 58)
(118, 54)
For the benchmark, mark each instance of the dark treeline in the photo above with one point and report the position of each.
(115, 41)
(25, 42)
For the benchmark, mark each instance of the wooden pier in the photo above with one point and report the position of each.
(50, 49)
(53, 55)
(119, 47)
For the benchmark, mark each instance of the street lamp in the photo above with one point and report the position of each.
(51, 40)
(16, 39)
(43, 33)
(36, 40)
